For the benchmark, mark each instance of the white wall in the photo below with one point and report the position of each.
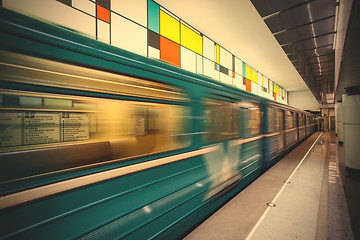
(304, 100)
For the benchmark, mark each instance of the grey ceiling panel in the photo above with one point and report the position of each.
(266, 8)
(305, 31)
(304, 14)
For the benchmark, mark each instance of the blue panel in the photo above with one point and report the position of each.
(244, 69)
(153, 16)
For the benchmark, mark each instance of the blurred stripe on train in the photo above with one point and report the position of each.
(85, 130)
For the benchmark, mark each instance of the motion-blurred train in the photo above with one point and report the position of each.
(97, 142)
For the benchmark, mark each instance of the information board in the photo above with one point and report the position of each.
(41, 127)
(10, 129)
(75, 126)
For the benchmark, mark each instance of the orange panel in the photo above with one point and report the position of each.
(233, 74)
(169, 51)
(274, 96)
(248, 85)
(103, 13)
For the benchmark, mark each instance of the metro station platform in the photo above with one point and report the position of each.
(306, 195)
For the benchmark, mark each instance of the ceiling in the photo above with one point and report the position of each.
(305, 31)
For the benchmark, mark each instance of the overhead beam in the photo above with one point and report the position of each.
(303, 50)
(286, 9)
(305, 39)
(303, 25)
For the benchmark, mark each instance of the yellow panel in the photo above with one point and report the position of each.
(255, 76)
(248, 72)
(218, 53)
(169, 27)
(276, 88)
(191, 40)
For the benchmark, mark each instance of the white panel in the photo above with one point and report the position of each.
(266, 82)
(187, 59)
(103, 31)
(238, 81)
(270, 96)
(85, 5)
(199, 64)
(209, 69)
(208, 49)
(259, 90)
(238, 66)
(254, 88)
(225, 78)
(134, 10)
(56, 12)
(260, 78)
(225, 58)
(128, 35)
(153, 53)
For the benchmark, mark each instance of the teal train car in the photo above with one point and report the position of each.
(100, 143)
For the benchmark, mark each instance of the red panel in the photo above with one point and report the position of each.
(169, 51)
(248, 85)
(103, 13)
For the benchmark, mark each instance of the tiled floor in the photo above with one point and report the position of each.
(307, 193)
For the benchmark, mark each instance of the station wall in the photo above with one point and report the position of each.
(146, 28)
(304, 100)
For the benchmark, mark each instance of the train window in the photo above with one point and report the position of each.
(251, 114)
(289, 121)
(271, 119)
(254, 120)
(221, 121)
(276, 122)
(124, 128)
(301, 123)
(280, 121)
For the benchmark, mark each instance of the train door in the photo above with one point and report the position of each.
(280, 115)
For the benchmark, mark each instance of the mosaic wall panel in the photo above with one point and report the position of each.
(208, 49)
(169, 51)
(135, 10)
(135, 42)
(188, 59)
(169, 27)
(148, 29)
(191, 39)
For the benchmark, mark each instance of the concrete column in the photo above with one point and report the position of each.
(351, 125)
(336, 117)
(339, 121)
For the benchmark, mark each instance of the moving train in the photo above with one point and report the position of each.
(98, 142)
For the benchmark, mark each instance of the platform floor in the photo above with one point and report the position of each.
(306, 195)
